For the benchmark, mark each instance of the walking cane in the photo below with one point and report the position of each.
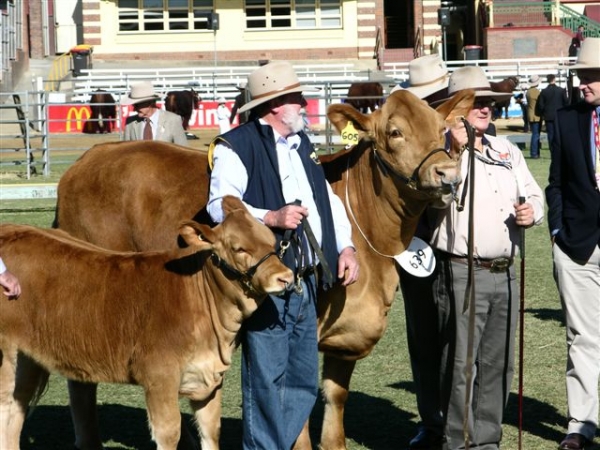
(522, 198)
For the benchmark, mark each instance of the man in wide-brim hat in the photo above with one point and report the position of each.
(151, 123)
(270, 164)
(428, 78)
(573, 197)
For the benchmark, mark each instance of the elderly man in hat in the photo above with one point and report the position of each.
(270, 164)
(501, 178)
(573, 196)
(151, 123)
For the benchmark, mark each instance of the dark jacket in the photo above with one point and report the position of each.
(572, 194)
(551, 98)
(255, 145)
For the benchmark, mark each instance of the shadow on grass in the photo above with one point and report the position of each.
(547, 314)
(50, 428)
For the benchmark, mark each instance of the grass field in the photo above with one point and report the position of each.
(381, 411)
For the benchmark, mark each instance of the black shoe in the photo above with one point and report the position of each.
(573, 441)
(427, 439)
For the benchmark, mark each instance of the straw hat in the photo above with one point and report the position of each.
(473, 77)
(271, 81)
(589, 55)
(534, 80)
(221, 100)
(141, 92)
(426, 76)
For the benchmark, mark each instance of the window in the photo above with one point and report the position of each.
(299, 14)
(164, 15)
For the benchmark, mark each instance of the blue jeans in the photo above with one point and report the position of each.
(279, 369)
(534, 147)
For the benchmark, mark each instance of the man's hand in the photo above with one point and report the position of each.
(348, 267)
(524, 214)
(288, 217)
(10, 285)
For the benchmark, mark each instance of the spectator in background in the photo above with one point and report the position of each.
(9, 282)
(573, 198)
(580, 37)
(223, 116)
(535, 121)
(521, 100)
(551, 98)
(151, 123)
(240, 100)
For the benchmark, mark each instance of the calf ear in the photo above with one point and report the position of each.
(458, 105)
(196, 235)
(340, 115)
(231, 203)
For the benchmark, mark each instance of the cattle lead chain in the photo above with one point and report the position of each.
(244, 277)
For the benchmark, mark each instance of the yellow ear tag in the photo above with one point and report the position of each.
(349, 134)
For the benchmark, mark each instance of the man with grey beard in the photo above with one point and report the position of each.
(271, 165)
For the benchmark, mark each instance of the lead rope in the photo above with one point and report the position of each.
(469, 298)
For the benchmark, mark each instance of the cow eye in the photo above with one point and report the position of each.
(395, 133)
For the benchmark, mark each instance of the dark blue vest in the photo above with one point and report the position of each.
(254, 143)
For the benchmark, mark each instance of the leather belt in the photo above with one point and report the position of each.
(496, 265)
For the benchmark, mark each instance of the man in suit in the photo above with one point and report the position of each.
(551, 98)
(573, 196)
(535, 121)
(151, 123)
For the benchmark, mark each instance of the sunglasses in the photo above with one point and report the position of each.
(484, 103)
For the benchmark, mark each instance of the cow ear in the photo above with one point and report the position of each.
(196, 235)
(340, 115)
(230, 204)
(456, 106)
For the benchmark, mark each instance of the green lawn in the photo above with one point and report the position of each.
(381, 411)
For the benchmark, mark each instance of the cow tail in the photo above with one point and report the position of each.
(31, 379)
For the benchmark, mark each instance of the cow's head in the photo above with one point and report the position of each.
(407, 137)
(242, 248)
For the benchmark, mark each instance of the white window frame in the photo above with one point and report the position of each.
(301, 14)
(157, 16)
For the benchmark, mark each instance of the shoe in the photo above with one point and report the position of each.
(573, 441)
(426, 439)
(534, 157)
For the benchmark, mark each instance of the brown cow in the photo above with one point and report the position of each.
(127, 198)
(183, 103)
(365, 96)
(103, 117)
(167, 321)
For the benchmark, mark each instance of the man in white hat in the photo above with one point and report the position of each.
(501, 177)
(428, 79)
(270, 164)
(223, 115)
(573, 196)
(151, 123)
(535, 121)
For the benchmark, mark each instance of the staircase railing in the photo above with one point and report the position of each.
(417, 49)
(377, 49)
(571, 19)
(61, 67)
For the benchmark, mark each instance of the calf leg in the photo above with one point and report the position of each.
(84, 414)
(303, 442)
(336, 384)
(208, 419)
(163, 413)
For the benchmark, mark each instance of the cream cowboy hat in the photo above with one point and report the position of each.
(534, 80)
(589, 55)
(271, 81)
(473, 77)
(141, 92)
(426, 76)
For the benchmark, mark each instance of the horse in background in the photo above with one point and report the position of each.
(365, 96)
(103, 117)
(183, 103)
(508, 85)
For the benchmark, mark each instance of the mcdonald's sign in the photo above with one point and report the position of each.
(77, 113)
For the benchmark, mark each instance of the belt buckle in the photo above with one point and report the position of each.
(499, 265)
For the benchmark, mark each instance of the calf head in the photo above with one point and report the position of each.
(407, 137)
(242, 248)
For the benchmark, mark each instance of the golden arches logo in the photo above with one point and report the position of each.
(77, 114)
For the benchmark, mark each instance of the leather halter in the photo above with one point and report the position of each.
(243, 277)
(411, 181)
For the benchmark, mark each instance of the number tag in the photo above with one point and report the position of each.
(417, 259)
(349, 135)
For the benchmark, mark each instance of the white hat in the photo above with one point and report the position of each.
(473, 77)
(534, 80)
(221, 100)
(271, 81)
(426, 75)
(141, 92)
(589, 55)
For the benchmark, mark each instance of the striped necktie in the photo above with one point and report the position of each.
(148, 130)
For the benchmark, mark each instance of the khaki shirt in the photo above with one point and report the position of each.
(496, 233)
